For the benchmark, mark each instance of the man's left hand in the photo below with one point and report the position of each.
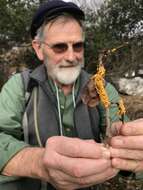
(127, 148)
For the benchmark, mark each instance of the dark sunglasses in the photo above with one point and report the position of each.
(63, 47)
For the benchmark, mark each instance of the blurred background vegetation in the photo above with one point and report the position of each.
(116, 23)
(108, 26)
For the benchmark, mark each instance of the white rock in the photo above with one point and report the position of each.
(132, 86)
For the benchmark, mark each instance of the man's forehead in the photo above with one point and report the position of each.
(60, 27)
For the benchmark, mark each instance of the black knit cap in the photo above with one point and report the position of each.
(51, 9)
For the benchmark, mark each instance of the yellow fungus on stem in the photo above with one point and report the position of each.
(99, 85)
(122, 109)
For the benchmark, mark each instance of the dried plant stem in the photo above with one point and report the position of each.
(108, 124)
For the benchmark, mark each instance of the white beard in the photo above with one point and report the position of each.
(65, 73)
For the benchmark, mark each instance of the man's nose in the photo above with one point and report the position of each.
(70, 54)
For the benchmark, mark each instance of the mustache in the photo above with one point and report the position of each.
(69, 64)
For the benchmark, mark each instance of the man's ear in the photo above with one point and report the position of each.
(38, 49)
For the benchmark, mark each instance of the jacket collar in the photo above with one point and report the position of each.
(39, 74)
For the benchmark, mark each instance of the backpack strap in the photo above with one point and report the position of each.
(25, 80)
(30, 94)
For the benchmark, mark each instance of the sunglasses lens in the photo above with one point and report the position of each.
(60, 48)
(78, 47)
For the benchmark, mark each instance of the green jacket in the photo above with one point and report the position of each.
(12, 106)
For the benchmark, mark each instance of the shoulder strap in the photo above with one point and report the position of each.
(28, 95)
(25, 79)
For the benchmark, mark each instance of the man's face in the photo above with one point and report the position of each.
(63, 50)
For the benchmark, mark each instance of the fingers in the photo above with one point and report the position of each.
(74, 147)
(126, 154)
(96, 178)
(75, 157)
(133, 128)
(74, 163)
(129, 165)
(77, 167)
(61, 180)
(127, 150)
(127, 142)
(64, 181)
(104, 176)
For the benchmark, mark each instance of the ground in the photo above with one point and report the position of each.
(122, 183)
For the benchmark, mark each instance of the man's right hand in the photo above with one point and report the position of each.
(66, 163)
(74, 163)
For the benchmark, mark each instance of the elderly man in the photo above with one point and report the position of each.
(44, 153)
